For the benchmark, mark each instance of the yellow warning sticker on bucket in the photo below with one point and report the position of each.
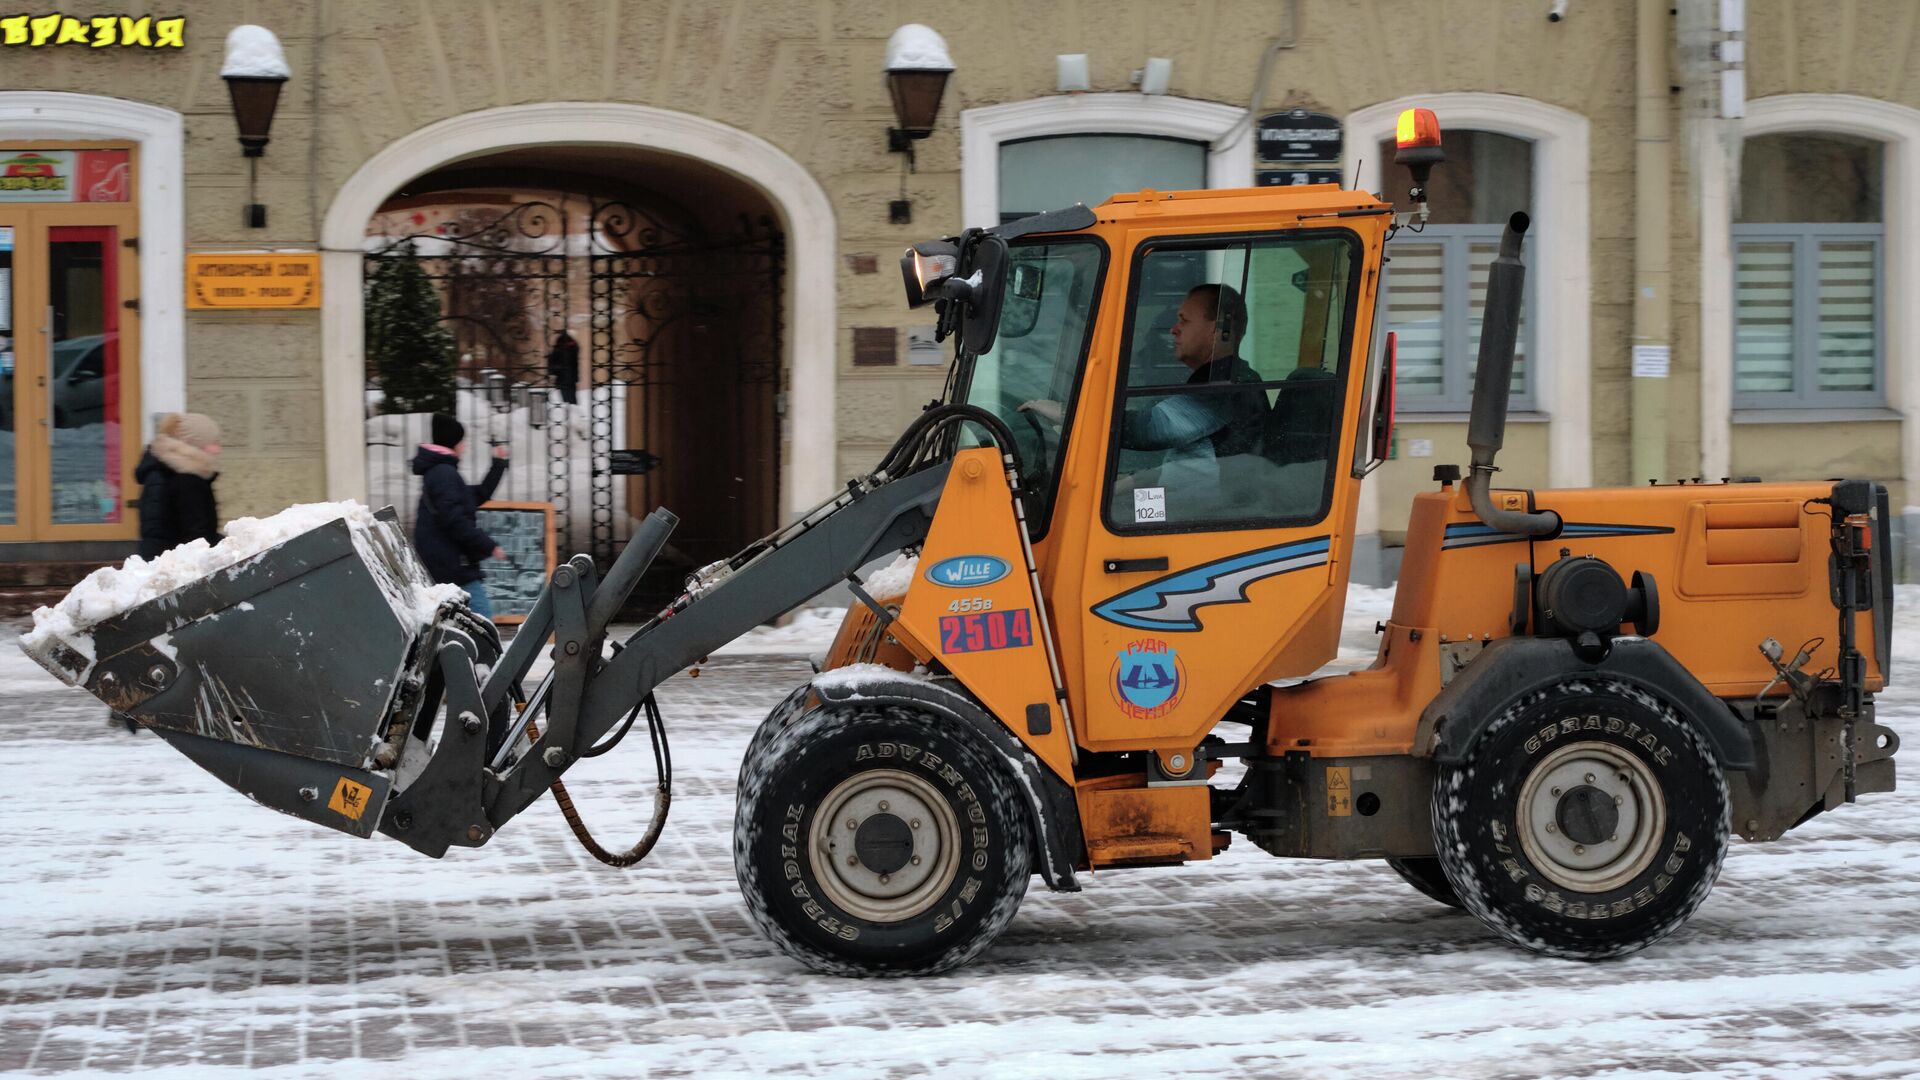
(1339, 791)
(349, 798)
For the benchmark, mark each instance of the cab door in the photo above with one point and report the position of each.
(1226, 497)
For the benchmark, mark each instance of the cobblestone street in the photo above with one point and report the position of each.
(152, 919)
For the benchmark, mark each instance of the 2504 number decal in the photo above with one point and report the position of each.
(987, 630)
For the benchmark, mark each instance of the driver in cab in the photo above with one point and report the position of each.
(1197, 426)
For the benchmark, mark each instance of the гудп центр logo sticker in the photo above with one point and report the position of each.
(1148, 679)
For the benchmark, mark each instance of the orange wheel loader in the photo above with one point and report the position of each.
(1127, 526)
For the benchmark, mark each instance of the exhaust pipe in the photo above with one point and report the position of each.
(1493, 382)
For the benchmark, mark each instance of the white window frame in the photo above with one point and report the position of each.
(1557, 263)
(982, 130)
(1897, 128)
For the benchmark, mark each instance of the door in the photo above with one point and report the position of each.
(69, 420)
(1217, 525)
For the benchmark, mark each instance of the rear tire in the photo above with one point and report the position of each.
(878, 840)
(1589, 820)
(1425, 873)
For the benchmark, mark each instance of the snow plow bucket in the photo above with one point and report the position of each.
(293, 675)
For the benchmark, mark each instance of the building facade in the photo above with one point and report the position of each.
(1737, 239)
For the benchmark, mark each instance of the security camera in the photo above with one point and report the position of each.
(1558, 11)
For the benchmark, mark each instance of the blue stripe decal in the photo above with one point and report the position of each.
(1170, 604)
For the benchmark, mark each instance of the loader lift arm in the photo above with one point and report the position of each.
(586, 698)
(482, 774)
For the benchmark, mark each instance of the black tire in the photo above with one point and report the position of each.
(1588, 821)
(791, 708)
(1427, 875)
(960, 847)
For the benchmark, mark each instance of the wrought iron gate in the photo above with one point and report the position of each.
(687, 330)
(682, 357)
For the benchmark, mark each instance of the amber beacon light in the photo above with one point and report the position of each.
(1417, 146)
(1417, 127)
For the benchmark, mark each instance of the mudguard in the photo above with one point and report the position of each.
(1056, 815)
(1510, 667)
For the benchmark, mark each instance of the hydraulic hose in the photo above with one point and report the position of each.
(662, 794)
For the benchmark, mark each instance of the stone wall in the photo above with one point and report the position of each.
(806, 75)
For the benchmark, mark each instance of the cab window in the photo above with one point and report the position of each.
(1029, 377)
(1232, 383)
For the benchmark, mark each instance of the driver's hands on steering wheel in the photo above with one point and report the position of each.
(1045, 409)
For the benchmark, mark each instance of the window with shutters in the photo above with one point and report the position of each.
(1807, 250)
(1437, 277)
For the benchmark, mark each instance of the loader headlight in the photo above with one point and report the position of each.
(925, 265)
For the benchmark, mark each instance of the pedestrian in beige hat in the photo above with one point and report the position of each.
(176, 483)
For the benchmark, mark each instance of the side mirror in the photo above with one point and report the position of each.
(982, 273)
(1383, 404)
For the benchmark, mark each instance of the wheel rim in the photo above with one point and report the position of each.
(885, 845)
(1591, 815)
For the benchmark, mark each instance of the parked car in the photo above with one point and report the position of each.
(79, 384)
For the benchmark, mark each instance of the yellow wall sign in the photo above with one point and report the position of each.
(105, 31)
(253, 281)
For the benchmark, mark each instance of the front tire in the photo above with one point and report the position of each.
(878, 840)
(1588, 821)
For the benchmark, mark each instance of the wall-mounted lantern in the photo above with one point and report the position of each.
(255, 68)
(917, 69)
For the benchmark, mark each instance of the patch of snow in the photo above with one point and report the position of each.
(915, 47)
(253, 52)
(855, 677)
(111, 591)
(164, 646)
(893, 579)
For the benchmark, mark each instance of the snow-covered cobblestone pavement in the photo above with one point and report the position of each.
(152, 919)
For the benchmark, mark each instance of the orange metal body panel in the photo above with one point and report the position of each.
(1718, 553)
(1128, 823)
(987, 633)
(1743, 562)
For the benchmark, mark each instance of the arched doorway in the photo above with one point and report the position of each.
(799, 211)
(611, 314)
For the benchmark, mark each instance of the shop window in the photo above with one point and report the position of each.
(1807, 270)
(1437, 277)
(1047, 173)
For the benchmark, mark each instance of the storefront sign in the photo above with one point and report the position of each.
(1298, 135)
(106, 31)
(65, 176)
(253, 281)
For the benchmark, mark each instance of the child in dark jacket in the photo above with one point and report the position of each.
(446, 529)
(176, 484)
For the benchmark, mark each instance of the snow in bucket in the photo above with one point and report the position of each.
(111, 590)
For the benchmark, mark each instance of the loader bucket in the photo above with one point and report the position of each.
(286, 674)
